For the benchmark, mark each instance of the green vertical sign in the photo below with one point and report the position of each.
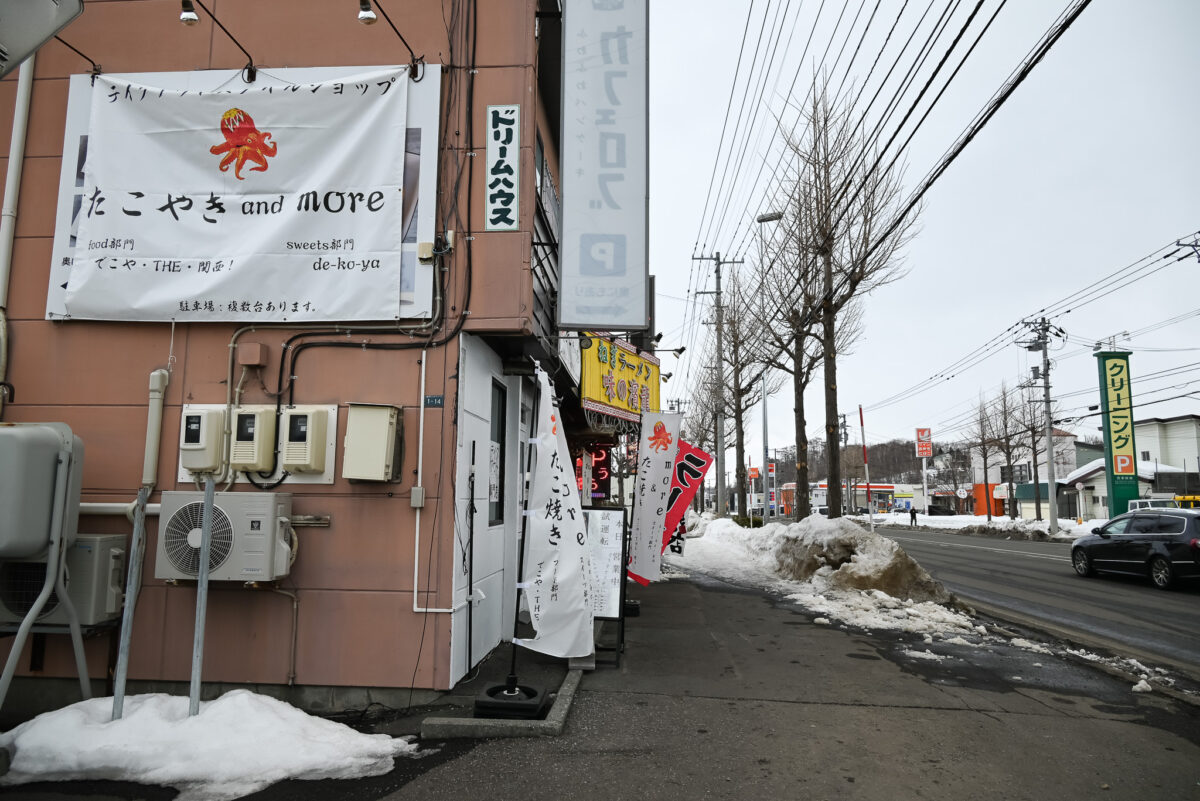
(1120, 450)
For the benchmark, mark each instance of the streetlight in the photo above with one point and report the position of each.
(771, 216)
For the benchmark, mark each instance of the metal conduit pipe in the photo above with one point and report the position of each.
(136, 513)
(8, 214)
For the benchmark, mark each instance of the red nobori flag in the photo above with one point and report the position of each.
(691, 464)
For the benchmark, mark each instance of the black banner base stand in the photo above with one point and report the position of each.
(511, 700)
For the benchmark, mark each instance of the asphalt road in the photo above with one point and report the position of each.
(1033, 582)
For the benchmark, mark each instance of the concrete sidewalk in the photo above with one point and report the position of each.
(730, 693)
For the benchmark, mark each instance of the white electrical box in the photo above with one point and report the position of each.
(374, 443)
(253, 446)
(323, 442)
(200, 435)
(303, 439)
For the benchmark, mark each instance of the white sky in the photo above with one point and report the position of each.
(1091, 165)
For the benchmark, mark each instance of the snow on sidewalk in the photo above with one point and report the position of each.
(236, 745)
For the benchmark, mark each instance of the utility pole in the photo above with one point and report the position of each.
(1051, 483)
(1042, 343)
(720, 388)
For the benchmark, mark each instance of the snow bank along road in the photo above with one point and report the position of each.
(1034, 580)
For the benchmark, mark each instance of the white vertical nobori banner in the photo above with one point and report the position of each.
(604, 165)
(502, 197)
(556, 572)
(656, 459)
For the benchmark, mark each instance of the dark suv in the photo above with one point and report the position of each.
(1163, 544)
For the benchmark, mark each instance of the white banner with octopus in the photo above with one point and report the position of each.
(269, 202)
(655, 460)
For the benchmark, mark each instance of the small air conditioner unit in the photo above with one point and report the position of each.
(95, 583)
(251, 536)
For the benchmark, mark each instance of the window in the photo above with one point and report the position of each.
(1020, 474)
(496, 454)
(1117, 526)
(1145, 456)
(1170, 524)
(1144, 524)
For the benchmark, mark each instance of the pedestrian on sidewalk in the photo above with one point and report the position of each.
(912, 516)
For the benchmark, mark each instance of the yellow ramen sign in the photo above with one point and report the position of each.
(617, 380)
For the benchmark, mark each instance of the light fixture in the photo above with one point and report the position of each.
(666, 376)
(187, 14)
(414, 65)
(365, 15)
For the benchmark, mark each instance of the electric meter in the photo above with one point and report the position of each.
(200, 440)
(303, 447)
(253, 447)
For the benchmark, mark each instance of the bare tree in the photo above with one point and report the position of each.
(791, 344)
(1008, 433)
(846, 222)
(1031, 417)
(980, 439)
(700, 423)
(742, 356)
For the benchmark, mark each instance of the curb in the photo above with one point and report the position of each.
(552, 726)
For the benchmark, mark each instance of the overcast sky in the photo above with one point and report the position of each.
(1090, 166)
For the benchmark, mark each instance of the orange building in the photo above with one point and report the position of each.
(407, 377)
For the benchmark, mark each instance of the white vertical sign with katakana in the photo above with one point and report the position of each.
(656, 458)
(605, 174)
(502, 197)
(557, 571)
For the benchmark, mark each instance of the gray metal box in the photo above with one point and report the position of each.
(28, 461)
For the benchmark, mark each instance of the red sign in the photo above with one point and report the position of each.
(771, 469)
(754, 472)
(924, 443)
(691, 464)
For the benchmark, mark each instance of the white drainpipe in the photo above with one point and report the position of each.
(417, 532)
(12, 192)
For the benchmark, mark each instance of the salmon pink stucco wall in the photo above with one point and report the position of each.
(352, 580)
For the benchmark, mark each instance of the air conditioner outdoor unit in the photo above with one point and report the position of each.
(251, 536)
(95, 583)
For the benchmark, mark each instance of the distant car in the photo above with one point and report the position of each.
(941, 510)
(1162, 544)
(1153, 503)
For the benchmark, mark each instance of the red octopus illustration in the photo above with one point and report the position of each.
(243, 142)
(660, 440)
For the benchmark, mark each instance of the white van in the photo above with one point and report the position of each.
(1153, 503)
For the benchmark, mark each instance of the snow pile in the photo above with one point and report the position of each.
(856, 560)
(833, 568)
(1018, 529)
(236, 745)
